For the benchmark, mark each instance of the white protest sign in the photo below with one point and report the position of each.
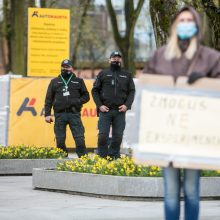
(179, 126)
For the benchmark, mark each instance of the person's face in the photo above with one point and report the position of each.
(185, 17)
(116, 58)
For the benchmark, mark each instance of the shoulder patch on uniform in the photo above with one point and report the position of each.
(74, 82)
(123, 76)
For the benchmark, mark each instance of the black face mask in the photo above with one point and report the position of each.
(115, 65)
(65, 73)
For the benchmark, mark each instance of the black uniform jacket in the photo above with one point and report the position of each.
(78, 95)
(113, 88)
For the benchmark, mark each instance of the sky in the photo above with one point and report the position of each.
(1, 10)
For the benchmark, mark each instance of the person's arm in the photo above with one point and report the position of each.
(96, 91)
(214, 72)
(84, 93)
(49, 100)
(131, 93)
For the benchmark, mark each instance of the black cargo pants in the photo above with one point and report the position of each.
(115, 119)
(74, 121)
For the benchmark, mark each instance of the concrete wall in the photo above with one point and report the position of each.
(107, 185)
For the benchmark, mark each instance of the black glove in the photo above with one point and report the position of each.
(194, 76)
(75, 110)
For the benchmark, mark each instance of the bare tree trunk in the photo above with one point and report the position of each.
(161, 13)
(213, 12)
(28, 3)
(126, 43)
(207, 31)
(43, 3)
(85, 5)
(7, 31)
(2, 52)
(2, 44)
(17, 37)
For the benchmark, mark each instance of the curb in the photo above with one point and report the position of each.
(25, 166)
(107, 185)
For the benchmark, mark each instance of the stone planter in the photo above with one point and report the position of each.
(107, 185)
(25, 166)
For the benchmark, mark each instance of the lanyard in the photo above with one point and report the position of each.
(66, 83)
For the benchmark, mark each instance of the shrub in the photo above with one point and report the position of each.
(208, 173)
(30, 152)
(123, 166)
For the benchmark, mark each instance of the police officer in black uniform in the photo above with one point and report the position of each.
(113, 92)
(66, 94)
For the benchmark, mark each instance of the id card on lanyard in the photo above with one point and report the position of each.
(65, 90)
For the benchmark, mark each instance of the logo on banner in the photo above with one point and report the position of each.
(50, 16)
(27, 106)
(35, 13)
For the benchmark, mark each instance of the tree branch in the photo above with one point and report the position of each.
(81, 24)
(138, 9)
(113, 18)
(129, 10)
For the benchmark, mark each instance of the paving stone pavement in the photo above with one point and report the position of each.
(18, 201)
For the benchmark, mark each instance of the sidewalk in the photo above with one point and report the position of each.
(19, 201)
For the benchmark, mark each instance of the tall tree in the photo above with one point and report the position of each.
(84, 5)
(126, 42)
(43, 3)
(161, 12)
(14, 34)
(212, 10)
(2, 49)
(17, 37)
(6, 35)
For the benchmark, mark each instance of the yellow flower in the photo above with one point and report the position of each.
(154, 168)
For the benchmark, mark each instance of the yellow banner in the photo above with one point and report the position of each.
(27, 125)
(48, 40)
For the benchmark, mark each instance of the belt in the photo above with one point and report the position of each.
(113, 107)
(67, 110)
